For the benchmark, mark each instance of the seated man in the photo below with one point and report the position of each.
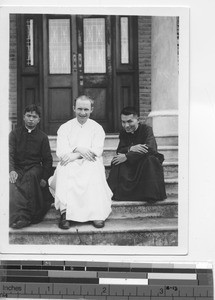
(79, 184)
(30, 167)
(136, 171)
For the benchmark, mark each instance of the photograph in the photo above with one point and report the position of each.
(97, 139)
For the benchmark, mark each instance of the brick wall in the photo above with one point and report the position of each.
(13, 71)
(144, 50)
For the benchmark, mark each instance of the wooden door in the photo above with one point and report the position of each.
(125, 67)
(95, 66)
(60, 70)
(29, 63)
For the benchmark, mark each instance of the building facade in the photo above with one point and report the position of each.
(117, 60)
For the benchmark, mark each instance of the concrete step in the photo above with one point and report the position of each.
(134, 209)
(170, 154)
(126, 232)
(171, 140)
(111, 140)
(170, 167)
(169, 150)
(171, 187)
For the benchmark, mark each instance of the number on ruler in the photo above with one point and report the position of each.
(169, 287)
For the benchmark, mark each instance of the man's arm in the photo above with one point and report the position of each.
(123, 146)
(47, 159)
(146, 144)
(98, 141)
(150, 139)
(12, 150)
(96, 150)
(63, 146)
(64, 151)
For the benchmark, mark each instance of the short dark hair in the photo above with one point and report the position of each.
(129, 110)
(33, 107)
(84, 97)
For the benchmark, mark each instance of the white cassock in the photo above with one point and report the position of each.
(80, 187)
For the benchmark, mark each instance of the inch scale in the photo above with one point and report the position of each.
(105, 281)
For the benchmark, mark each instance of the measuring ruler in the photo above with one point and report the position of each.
(105, 280)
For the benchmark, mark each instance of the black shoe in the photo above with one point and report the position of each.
(98, 223)
(151, 200)
(64, 224)
(20, 223)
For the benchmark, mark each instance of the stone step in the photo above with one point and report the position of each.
(126, 232)
(170, 154)
(170, 151)
(170, 167)
(171, 140)
(171, 187)
(133, 209)
(112, 140)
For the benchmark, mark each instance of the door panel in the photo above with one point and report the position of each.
(59, 110)
(99, 112)
(59, 71)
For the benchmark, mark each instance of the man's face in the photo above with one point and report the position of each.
(31, 119)
(83, 110)
(129, 123)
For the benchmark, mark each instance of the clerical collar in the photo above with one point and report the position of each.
(133, 132)
(29, 130)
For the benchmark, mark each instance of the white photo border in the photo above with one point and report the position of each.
(183, 102)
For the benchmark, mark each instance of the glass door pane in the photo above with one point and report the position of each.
(94, 45)
(59, 46)
(29, 42)
(124, 40)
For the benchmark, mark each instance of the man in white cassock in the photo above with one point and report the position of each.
(79, 183)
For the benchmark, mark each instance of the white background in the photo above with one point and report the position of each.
(201, 125)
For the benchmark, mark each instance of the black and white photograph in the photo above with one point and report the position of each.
(96, 147)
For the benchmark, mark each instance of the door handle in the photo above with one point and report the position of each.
(80, 60)
(74, 61)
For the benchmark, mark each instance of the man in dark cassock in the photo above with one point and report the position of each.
(30, 167)
(136, 170)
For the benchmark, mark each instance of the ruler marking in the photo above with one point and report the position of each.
(168, 284)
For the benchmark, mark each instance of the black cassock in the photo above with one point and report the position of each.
(140, 177)
(30, 156)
